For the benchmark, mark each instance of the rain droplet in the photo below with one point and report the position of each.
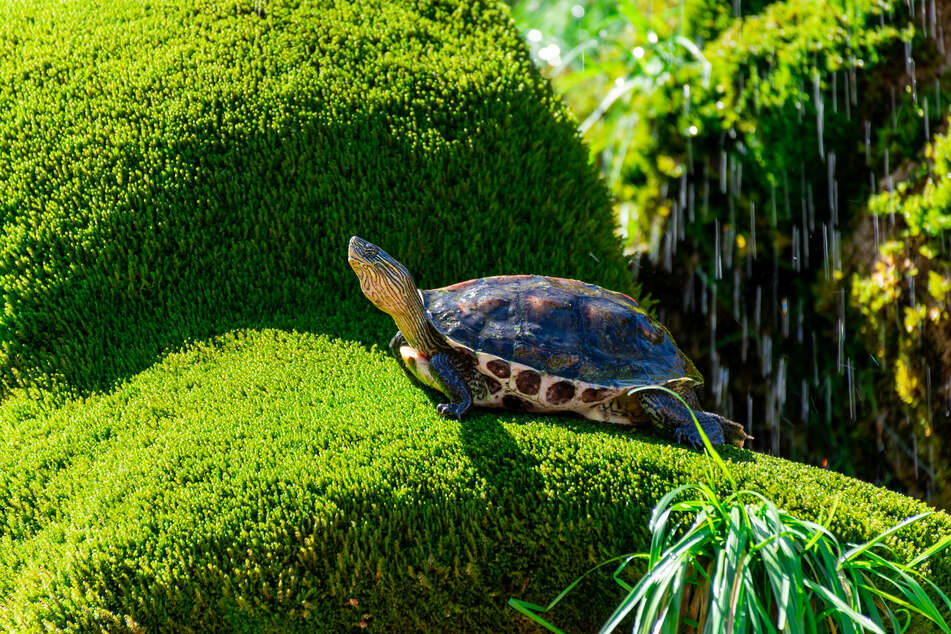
(868, 142)
(784, 313)
(851, 382)
(749, 413)
(804, 400)
(757, 311)
(718, 265)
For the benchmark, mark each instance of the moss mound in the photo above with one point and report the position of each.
(274, 481)
(212, 183)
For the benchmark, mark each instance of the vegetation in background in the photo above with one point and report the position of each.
(739, 172)
(902, 290)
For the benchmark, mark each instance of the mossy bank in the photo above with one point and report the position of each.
(174, 169)
(275, 481)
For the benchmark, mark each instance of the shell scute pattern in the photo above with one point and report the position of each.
(579, 332)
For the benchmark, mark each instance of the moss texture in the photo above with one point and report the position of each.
(275, 479)
(293, 482)
(146, 199)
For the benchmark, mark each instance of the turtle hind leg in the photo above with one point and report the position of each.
(447, 368)
(668, 412)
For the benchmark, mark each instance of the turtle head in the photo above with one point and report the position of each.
(383, 279)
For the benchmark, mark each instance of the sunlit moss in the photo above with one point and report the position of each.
(903, 295)
(282, 481)
(146, 199)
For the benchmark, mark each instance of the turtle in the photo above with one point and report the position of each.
(533, 343)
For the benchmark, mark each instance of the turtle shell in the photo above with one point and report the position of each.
(562, 327)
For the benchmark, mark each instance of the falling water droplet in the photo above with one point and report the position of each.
(757, 311)
(825, 251)
(837, 250)
(804, 400)
(868, 142)
(799, 322)
(784, 316)
(839, 344)
(914, 81)
(749, 413)
(691, 202)
(795, 248)
(703, 294)
(911, 290)
(745, 340)
(723, 382)
(713, 320)
(941, 48)
(817, 97)
(723, 169)
(718, 255)
(669, 246)
(805, 241)
(831, 179)
(928, 394)
(851, 92)
(851, 381)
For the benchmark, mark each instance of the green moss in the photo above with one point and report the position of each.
(286, 480)
(214, 182)
(902, 291)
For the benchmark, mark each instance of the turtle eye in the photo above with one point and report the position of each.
(370, 251)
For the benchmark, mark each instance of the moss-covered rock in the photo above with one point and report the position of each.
(171, 170)
(276, 481)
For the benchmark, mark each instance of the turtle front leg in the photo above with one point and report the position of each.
(444, 367)
(668, 412)
(396, 343)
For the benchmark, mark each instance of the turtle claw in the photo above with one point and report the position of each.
(688, 434)
(450, 410)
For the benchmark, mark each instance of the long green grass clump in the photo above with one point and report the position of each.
(739, 563)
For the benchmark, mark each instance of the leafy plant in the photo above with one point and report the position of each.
(902, 289)
(743, 564)
(611, 60)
